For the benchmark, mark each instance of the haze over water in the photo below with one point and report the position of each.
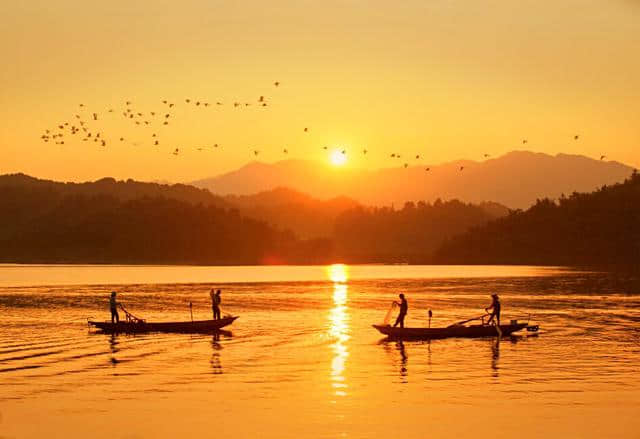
(304, 361)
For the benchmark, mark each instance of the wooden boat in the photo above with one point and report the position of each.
(137, 326)
(453, 331)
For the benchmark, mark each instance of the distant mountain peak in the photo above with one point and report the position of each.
(515, 179)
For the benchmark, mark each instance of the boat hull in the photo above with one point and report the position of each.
(452, 331)
(198, 326)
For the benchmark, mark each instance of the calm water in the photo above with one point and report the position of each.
(303, 361)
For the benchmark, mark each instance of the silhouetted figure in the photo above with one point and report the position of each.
(495, 307)
(113, 305)
(215, 304)
(404, 307)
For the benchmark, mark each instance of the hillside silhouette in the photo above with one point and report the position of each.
(515, 179)
(598, 228)
(285, 208)
(121, 190)
(131, 222)
(407, 235)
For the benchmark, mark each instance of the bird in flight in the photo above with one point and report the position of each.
(486, 156)
(417, 156)
(524, 141)
(602, 157)
(427, 169)
(461, 168)
(276, 83)
(176, 151)
(306, 130)
(406, 165)
(256, 152)
(364, 151)
(576, 137)
(285, 151)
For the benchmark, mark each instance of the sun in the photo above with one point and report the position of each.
(338, 157)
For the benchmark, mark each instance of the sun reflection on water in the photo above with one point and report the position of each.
(339, 328)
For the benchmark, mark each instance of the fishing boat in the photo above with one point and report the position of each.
(458, 330)
(139, 325)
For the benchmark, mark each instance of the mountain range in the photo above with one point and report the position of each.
(516, 179)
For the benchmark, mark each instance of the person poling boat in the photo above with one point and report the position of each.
(495, 310)
(113, 305)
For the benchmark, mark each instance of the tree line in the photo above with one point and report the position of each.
(135, 223)
(599, 228)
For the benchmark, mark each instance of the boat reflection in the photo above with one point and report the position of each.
(495, 357)
(113, 348)
(216, 347)
(339, 328)
(392, 347)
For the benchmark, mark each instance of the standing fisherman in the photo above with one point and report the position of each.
(495, 307)
(404, 307)
(215, 303)
(113, 304)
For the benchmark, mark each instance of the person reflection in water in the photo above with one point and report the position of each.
(495, 310)
(404, 307)
(215, 303)
(113, 304)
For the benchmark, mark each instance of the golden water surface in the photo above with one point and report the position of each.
(303, 360)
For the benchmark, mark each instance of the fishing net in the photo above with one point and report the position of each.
(387, 318)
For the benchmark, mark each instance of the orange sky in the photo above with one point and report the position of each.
(445, 79)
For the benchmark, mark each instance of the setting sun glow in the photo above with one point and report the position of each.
(338, 157)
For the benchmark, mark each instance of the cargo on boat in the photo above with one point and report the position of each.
(138, 326)
(454, 331)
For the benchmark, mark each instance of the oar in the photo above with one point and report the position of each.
(467, 321)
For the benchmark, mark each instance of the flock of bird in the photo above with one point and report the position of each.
(85, 125)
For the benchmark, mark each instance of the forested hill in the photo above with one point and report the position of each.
(407, 235)
(104, 229)
(129, 222)
(598, 228)
(23, 185)
(145, 223)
